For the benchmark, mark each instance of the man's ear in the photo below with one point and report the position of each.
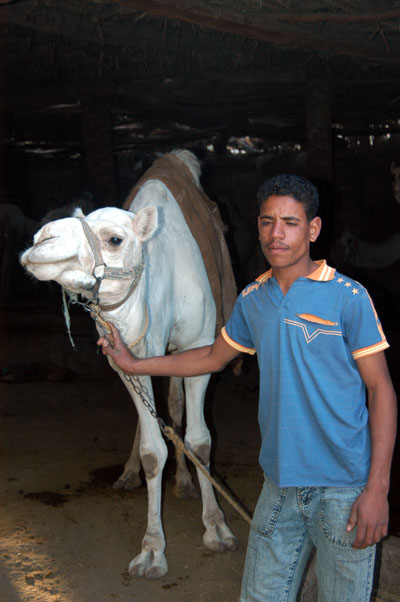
(315, 228)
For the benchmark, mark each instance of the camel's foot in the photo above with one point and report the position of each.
(219, 538)
(129, 480)
(149, 564)
(185, 490)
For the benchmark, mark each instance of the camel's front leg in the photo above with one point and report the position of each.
(217, 537)
(151, 562)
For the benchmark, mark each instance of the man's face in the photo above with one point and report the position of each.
(285, 232)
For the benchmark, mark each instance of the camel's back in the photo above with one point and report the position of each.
(185, 210)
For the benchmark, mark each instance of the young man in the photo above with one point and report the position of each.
(326, 457)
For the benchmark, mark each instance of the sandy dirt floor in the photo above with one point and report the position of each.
(67, 425)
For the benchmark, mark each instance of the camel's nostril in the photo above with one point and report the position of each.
(47, 238)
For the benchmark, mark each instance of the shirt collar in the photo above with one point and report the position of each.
(323, 273)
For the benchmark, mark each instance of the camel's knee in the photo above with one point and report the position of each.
(151, 465)
(202, 452)
(153, 459)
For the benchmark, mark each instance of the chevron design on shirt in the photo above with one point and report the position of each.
(310, 337)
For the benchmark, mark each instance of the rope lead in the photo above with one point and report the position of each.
(177, 441)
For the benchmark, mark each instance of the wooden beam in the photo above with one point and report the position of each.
(343, 17)
(250, 14)
(97, 25)
(257, 25)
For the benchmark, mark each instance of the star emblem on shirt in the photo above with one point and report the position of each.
(341, 280)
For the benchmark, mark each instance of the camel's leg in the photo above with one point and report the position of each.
(217, 537)
(151, 562)
(184, 487)
(130, 478)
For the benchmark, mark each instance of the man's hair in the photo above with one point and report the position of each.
(297, 187)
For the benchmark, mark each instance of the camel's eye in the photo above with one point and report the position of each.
(115, 241)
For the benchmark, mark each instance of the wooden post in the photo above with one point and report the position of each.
(319, 123)
(319, 166)
(97, 133)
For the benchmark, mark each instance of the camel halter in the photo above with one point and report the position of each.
(101, 271)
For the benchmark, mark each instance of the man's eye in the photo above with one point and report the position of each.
(115, 241)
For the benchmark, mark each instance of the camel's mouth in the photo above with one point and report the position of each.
(57, 269)
(46, 251)
(31, 258)
(44, 240)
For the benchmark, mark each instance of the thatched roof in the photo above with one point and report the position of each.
(235, 66)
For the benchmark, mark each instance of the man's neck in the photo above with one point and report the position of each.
(287, 275)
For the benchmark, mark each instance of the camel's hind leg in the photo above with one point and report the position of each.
(130, 478)
(184, 487)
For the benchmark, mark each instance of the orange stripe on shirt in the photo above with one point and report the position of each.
(377, 319)
(235, 345)
(370, 350)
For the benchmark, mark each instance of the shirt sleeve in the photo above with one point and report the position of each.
(363, 328)
(236, 332)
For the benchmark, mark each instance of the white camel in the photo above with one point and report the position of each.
(143, 270)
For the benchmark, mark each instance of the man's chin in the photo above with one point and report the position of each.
(278, 259)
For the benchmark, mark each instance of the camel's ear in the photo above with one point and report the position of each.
(145, 223)
(78, 212)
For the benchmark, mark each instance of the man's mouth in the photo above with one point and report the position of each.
(276, 248)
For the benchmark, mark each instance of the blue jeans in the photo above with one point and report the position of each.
(287, 524)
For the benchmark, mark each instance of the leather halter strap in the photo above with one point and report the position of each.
(101, 271)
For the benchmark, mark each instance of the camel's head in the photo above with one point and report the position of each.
(62, 250)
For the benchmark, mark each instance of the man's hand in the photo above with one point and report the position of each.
(192, 362)
(117, 351)
(370, 513)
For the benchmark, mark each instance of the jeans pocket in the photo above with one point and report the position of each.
(268, 508)
(336, 503)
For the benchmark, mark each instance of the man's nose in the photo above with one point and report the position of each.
(277, 230)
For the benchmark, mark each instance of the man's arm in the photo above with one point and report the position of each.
(202, 360)
(370, 512)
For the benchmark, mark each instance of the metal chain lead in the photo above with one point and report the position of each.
(169, 432)
(145, 396)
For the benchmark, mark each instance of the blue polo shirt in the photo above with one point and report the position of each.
(312, 407)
